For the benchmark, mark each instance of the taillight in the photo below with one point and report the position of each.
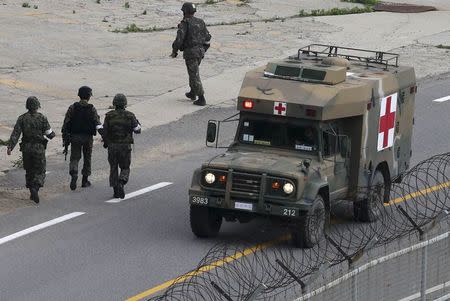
(248, 104)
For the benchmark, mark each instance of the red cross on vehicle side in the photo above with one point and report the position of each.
(279, 108)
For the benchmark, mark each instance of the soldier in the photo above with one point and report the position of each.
(80, 125)
(33, 126)
(194, 40)
(118, 130)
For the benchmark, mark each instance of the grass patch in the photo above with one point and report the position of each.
(4, 143)
(26, 4)
(440, 46)
(210, 2)
(127, 5)
(365, 2)
(335, 11)
(97, 1)
(134, 28)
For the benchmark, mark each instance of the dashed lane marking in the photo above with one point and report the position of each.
(442, 99)
(139, 192)
(40, 226)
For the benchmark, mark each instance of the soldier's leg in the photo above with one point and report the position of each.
(192, 65)
(75, 156)
(27, 164)
(87, 156)
(113, 166)
(37, 173)
(124, 163)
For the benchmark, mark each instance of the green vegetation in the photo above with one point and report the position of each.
(335, 11)
(73, 11)
(210, 1)
(365, 2)
(4, 143)
(134, 28)
(127, 5)
(35, 6)
(440, 46)
(97, 1)
(144, 12)
(26, 4)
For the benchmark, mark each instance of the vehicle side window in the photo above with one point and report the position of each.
(330, 145)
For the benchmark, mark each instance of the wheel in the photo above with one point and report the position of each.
(205, 222)
(369, 210)
(311, 228)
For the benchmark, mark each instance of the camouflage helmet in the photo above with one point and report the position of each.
(188, 8)
(85, 92)
(120, 101)
(32, 103)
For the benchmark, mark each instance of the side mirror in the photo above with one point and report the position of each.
(345, 147)
(211, 132)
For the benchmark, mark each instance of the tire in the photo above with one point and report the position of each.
(311, 228)
(370, 209)
(205, 222)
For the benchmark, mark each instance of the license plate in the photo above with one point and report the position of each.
(199, 200)
(243, 206)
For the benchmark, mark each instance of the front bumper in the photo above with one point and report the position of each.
(265, 207)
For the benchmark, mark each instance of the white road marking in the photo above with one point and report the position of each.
(140, 191)
(40, 226)
(442, 99)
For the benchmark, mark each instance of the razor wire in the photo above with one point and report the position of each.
(238, 271)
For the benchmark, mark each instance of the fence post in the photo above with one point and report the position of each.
(423, 237)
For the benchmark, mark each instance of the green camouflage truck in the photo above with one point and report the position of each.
(313, 128)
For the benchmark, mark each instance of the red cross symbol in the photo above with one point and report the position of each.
(279, 108)
(387, 122)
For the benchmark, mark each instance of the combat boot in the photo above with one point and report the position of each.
(73, 182)
(120, 190)
(116, 192)
(85, 182)
(34, 195)
(190, 95)
(201, 101)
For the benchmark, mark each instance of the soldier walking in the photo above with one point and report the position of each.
(80, 125)
(118, 130)
(193, 39)
(35, 131)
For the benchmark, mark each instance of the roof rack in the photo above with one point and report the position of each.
(376, 57)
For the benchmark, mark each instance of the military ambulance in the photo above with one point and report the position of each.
(314, 128)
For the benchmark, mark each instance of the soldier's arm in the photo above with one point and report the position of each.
(15, 135)
(136, 126)
(207, 43)
(49, 133)
(104, 132)
(98, 124)
(67, 119)
(181, 35)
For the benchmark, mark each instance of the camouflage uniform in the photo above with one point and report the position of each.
(80, 125)
(118, 130)
(193, 39)
(33, 126)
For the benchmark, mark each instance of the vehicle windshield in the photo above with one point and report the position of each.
(278, 134)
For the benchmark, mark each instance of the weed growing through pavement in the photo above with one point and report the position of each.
(365, 2)
(144, 12)
(127, 5)
(440, 46)
(26, 4)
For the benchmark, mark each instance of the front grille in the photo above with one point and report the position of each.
(246, 183)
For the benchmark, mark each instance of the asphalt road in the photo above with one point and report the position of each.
(113, 251)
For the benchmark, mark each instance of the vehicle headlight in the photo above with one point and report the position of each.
(288, 188)
(210, 178)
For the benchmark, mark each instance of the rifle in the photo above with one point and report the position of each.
(66, 143)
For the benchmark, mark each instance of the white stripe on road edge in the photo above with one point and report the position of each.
(372, 264)
(139, 192)
(442, 99)
(40, 226)
(428, 291)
